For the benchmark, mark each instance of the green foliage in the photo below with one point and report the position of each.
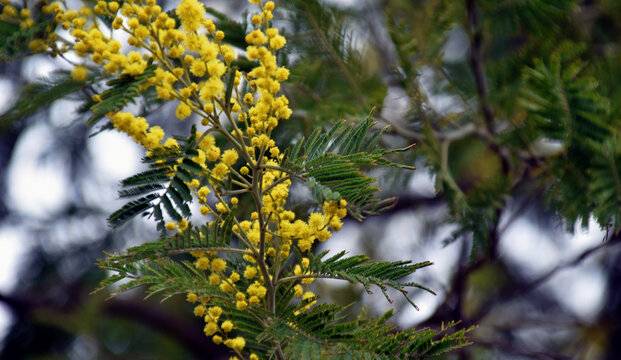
(317, 333)
(14, 40)
(359, 269)
(605, 188)
(171, 169)
(40, 94)
(121, 92)
(331, 161)
(563, 105)
(320, 33)
(211, 237)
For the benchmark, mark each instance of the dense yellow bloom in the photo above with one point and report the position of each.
(211, 89)
(241, 305)
(210, 328)
(229, 157)
(256, 289)
(226, 326)
(199, 310)
(218, 265)
(192, 297)
(215, 312)
(198, 80)
(236, 344)
(250, 272)
(79, 73)
(190, 13)
(183, 111)
(214, 280)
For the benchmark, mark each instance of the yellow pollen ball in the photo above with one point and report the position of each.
(183, 111)
(210, 328)
(218, 265)
(79, 74)
(226, 326)
(202, 263)
(199, 310)
(192, 298)
(214, 279)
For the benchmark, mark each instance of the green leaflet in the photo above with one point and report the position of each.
(320, 332)
(215, 236)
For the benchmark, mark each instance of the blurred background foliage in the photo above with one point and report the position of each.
(515, 110)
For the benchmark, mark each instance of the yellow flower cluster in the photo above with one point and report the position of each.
(191, 63)
(138, 129)
(218, 330)
(12, 14)
(22, 16)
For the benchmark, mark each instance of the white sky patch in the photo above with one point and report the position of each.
(13, 247)
(436, 276)
(396, 104)
(344, 240)
(37, 186)
(442, 103)
(6, 89)
(6, 320)
(36, 67)
(528, 248)
(422, 182)
(62, 112)
(342, 3)
(580, 289)
(115, 155)
(456, 46)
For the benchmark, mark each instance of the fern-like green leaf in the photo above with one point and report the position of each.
(605, 186)
(165, 181)
(42, 93)
(121, 92)
(360, 270)
(331, 163)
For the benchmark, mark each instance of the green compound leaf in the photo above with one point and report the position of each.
(42, 93)
(122, 91)
(360, 269)
(331, 163)
(164, 186)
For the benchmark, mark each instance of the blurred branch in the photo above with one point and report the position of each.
(476, 63)
(508, 348)
(194, 341)
(517, 290)
(450, 136)
(475, 59)
(138, 311)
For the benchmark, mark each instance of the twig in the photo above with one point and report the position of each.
(476, 63)
(524, 289)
